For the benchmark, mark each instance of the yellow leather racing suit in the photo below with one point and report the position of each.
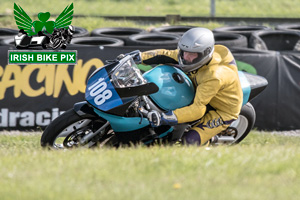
(217, 85)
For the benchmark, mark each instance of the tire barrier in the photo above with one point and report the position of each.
(243, 30)
(80, 32)
(7, 41)
(178, 30)
(97, 41)
(250, 51)
(121, 33)
(231, 40)
(288, 27)
(4, 32)
(275, 40)
(87, 41)
(7, 33)
(246, 66)
(153, 39)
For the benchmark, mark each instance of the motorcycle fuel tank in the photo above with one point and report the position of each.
(176, 90)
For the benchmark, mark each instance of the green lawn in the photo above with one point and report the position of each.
(227, 8)
(263, 166)
(237, 8)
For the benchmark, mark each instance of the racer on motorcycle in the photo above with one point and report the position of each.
(61, 37)
(213, 71)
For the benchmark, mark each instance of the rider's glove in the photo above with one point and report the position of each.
(166, 118)
(136, 56)
(120, 57)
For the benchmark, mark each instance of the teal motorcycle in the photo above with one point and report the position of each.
(118, 98)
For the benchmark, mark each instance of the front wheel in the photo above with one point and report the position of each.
(69, 130)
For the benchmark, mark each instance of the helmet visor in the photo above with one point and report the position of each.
(190, 58)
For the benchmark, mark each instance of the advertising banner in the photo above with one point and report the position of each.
(34, 94)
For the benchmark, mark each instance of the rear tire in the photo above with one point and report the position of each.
(244, 123)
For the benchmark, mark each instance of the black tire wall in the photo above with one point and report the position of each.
(97, 41)
(275, 40)
(288, 27)
(7, 41)
(154, 39)
(231, 40)
(7, 33)
(121, 33)
(80, 32)
(242, 30)
(177, 30)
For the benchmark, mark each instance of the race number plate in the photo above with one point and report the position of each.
(101, 93)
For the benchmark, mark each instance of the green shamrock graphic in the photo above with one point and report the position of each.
(39, 25)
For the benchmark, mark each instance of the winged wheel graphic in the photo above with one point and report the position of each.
(24, 22)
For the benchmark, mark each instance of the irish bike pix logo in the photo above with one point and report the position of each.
(52, 37)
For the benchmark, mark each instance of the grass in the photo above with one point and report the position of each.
(237, 8)
(225, 8)
(91, 23)
(263, 166)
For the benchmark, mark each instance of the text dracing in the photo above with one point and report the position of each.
(10, 119)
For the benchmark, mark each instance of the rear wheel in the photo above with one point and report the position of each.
(71, 130)
(239, 129)
(244, 123)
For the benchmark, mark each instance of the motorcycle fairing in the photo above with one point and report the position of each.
(176, 90)
(123, 124)
(145, 89)
(257, 84)
(160, 135)
(252, 85)
(245, 87)
(101, 93)
(129, 94)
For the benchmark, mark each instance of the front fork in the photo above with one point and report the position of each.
(84, 110)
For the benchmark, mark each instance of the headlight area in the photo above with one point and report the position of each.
(127, 74)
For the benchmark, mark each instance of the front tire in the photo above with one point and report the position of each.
(67, 130)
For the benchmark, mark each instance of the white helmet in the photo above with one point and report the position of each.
(197, 40)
